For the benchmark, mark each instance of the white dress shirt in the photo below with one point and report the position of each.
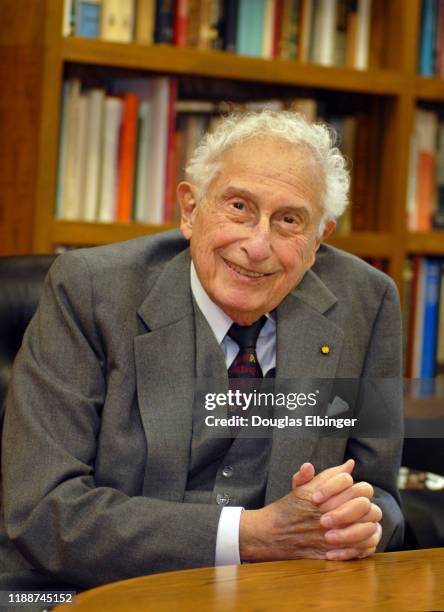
(227, 541)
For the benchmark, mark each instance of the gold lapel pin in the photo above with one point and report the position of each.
(325, 349)
(252, 359)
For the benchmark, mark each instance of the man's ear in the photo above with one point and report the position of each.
(188, 202)
(328, 229)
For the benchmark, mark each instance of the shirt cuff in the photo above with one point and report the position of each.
(227, 540)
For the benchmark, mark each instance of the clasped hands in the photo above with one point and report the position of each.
(325, 516)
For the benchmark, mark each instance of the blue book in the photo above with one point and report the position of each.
(428, 38)
(431, 301)
(88, 19)
(250, 27)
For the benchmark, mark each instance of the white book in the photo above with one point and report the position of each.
(117, 23)
(80, 168)
(324, 32)
(110, 159)
(158, 149)
(363, 34)
(70, 203)
(96, 101)
(63, 139)
(142, 202)
(67, 22)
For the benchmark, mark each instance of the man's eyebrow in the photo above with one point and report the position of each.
(241, 192)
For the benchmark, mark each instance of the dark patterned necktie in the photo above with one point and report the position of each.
(245, 370)
(246, 365)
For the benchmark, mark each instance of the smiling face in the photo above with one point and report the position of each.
(255, 233)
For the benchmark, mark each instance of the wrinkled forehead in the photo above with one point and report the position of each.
(272, 156)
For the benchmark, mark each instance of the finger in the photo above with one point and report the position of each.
(351, 535)
(305, 474)
(346, 554)
(374, 515)
(350, 512)
(372, 541)
(334, 485)
(359, 489)
(347, 466)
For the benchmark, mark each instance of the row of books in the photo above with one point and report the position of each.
(424, 323)
(328, 32)
(123, 150)
(431, 48)
(425, 197)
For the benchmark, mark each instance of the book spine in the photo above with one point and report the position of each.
(432, 278)
(169, 172)
(181, 23)
(163, 31)
(127, 151)
(88, 18)
(363, 34)
(231, 11)
(426, 55)
(144, 23)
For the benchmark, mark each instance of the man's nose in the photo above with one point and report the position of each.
(258, 244)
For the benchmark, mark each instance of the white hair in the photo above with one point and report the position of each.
(288, 125)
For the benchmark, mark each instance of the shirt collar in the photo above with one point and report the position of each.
(219, 322)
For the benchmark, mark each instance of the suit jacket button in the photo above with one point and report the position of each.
(222, 499)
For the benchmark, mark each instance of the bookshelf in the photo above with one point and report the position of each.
(36, 56)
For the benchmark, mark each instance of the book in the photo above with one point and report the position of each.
(168, 211)
(250, 27)
(439, 362)
(418, 331)
(363, 20)
(426, 125)
(93, 153)
(306, 21)
(432, 272)
(164, 21)
(268, 28)
(127, 152)
(180, 33)
(144, 22)
(107, 210)
(117, 20)
(428, 34)
(323, 37)
(88, 18)
(63, 128)
(292, 31)
(438, 212)
(231, 13)
(69, 18)
(70, 205)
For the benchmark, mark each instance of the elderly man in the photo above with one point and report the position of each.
(109, 471)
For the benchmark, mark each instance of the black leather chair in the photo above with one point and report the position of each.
(21, 282)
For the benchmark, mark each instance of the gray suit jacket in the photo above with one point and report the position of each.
(97, 429)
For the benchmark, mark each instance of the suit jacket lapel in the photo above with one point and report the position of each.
(165, 362)
(302, 329)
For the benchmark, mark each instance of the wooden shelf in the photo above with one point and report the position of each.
(428, 243)
(218, 64)
(365, 244)
(429, 89)
(84, 233)
(424, 407)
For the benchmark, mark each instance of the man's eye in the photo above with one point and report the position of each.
(290, 219)
(239, 205)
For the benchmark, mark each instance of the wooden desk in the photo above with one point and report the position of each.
(412, 580)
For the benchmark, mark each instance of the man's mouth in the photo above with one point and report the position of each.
(244, 271)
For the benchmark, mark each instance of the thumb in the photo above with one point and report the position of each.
(305, 474)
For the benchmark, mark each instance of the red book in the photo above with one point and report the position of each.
(169, 173)
(277, 28)
(181, 23)
(127, 154)
(425, 190)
